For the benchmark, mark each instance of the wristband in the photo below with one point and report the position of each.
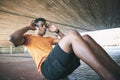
(58, 31)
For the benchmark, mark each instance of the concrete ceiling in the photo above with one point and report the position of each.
(82, 15)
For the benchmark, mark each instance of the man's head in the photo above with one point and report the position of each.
(40, 25)
(39, 19)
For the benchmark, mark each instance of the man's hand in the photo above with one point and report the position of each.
(52, 28)
(32, 26)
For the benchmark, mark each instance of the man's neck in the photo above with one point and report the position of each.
(39, 35)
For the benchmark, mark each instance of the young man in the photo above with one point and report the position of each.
(64, 58)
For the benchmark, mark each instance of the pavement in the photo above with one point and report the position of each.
(17, 67)
(21, 67)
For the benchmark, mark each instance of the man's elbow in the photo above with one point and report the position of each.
(17, 40)
(12, 40)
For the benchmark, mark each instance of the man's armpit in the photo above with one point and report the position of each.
(20, 42)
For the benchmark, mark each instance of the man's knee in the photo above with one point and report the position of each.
(86, 37)
(73, 33)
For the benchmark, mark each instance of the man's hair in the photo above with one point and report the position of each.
(39, 19)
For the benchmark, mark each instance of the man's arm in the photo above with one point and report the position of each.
(60, 33)
(54, 29)
(17, 37)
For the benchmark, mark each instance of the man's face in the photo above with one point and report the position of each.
(41, 28)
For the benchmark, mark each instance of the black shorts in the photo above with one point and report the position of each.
(59, 64)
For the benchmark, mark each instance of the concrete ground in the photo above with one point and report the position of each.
(22, 67)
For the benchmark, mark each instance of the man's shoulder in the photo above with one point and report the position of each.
(51, 37)
(28, 35)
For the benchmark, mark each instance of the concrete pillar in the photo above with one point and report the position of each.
(0, 49)
(11, 49)
(25, 50)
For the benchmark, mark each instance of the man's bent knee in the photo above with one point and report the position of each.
(73, 33)
(86, 37)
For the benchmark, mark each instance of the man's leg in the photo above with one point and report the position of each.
(74, 42)
(105, 59)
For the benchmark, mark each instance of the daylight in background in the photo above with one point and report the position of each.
(106, 38)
